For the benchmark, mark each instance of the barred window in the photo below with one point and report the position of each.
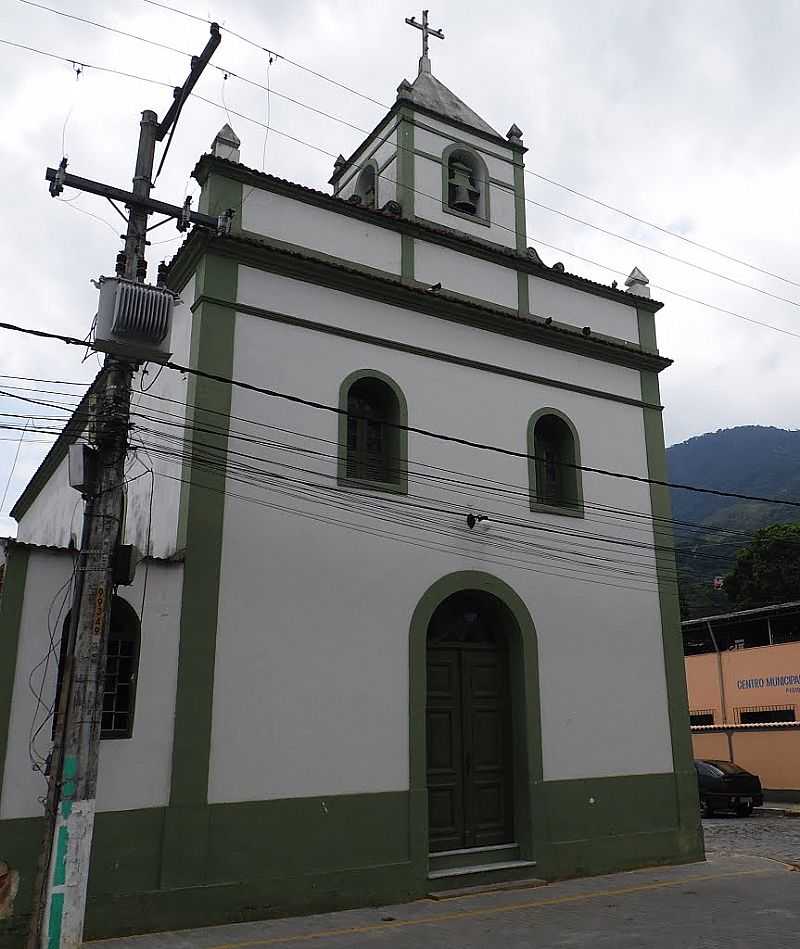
(758, 714)
(701, 717)
(122, 662)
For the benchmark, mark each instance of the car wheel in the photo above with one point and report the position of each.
(706, 810)
(744, 810)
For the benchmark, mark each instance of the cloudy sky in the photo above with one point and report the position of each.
(683, 114)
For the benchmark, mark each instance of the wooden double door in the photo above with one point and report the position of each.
(470, 794)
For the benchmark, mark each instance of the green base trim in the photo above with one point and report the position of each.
(266, 859)
(11, 603)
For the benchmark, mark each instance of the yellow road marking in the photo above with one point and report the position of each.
(487, 911)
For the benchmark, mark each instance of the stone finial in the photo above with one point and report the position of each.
(514, 135)
(637, 283)
(404, 90)
(226, 144)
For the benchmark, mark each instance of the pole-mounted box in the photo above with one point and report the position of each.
(134, 320)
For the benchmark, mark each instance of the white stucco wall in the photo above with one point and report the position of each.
(498, 159)
(465, 274)
(54, 517)
(387, 137)
(133, 772)
(328, 232)
(158, 415)
(311, 678)
(336, 308)
(428, 206)
(567, 305)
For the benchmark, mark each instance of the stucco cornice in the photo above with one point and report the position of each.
(456, 240)
(264, 255)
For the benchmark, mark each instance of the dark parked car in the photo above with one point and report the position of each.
(724, 786)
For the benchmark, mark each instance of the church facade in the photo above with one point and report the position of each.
(388, 636)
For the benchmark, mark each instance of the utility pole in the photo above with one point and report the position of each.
(60, 895)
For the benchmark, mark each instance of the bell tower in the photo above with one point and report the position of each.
(440, 161)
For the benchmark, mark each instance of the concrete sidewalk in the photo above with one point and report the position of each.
(729, 901)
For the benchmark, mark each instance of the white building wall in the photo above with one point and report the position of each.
(434, 143)
(464, 274)
(133, 772)
(272, 215)
(369, 152)
(568, 305)
(161, 411)
(336, 308)
(311, 679)
(428, 205)
(54, 517)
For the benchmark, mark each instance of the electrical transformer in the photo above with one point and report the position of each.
(134, 320)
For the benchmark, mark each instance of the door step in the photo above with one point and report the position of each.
(526, 883)
(472, 857)
(481, 876)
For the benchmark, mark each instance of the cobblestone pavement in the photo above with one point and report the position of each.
(762, 834)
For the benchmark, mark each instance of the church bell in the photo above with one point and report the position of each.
(463, 193)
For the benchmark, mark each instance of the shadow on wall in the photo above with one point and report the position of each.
(9, 884)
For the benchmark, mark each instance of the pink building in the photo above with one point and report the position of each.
(743, 680)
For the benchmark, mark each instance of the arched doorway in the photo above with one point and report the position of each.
(469, 760)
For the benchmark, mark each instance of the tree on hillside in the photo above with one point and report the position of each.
(768, 571)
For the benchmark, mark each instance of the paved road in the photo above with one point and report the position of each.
(761, 834)
(729, 902)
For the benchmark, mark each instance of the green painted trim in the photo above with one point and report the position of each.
(407, 262)
(526, 717)
(646, 324)
(11, 604)
(405, 164)
(685, 780)
(220, 192)
(266, 859)
(608, 824)
(400, 453)
(201, 520)
(447, 237)
(213, 351)
(388, 289)
(520, 224)
(449, 358)
(523, 294)
(575, 510)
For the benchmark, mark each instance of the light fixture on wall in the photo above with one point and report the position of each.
(473, 519)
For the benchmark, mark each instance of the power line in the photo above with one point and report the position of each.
(533, 174)
(439, 436)
(683, 296)
(531, 201)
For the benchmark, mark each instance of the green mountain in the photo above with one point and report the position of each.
(751, 459)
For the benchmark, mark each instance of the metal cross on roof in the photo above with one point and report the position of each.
(426, 32)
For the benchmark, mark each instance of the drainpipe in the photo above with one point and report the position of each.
(721, 689)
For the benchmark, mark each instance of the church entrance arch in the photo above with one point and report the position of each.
(468, 724)
(474, 725)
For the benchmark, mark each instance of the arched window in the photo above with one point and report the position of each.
(373, 449)
(554, 464)
(466, 183)
(367, 185)
(122, 664)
